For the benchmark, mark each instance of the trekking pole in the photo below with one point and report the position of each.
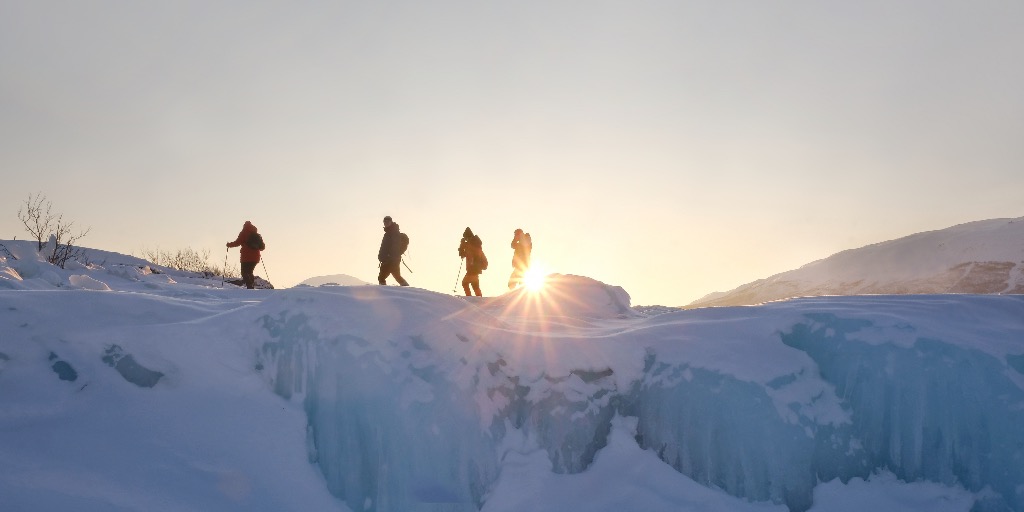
(224, 270)
(265, 270)
(456, 285)
(407, 266)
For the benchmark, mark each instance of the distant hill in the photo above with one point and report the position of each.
(978, 257)
(335, 279)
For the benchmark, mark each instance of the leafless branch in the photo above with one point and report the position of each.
(37, 217)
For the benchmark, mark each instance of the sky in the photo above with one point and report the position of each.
(671, 148)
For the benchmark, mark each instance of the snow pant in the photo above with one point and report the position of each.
(248, 267)
(471, 280)
(392, 268)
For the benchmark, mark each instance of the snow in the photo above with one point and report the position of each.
(127, 386)
(884, 492)
(87, 283)
(333, 280)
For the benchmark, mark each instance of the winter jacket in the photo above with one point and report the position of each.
(248, 254)
(391, 245)
(472, 248)
(522, 247)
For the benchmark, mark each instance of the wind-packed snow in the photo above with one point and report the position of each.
(333, 280)
(978, 257)
(125, 389)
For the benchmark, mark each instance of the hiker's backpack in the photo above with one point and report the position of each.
(403, 243)
(255, 241)
(481, 259)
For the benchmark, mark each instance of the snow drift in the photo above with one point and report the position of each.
(333, 280)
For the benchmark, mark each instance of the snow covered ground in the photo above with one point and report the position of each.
(333, 280)
(126, 389)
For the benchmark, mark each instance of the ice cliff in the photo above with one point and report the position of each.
(412, 397)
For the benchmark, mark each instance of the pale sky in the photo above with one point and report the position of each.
(672, 148)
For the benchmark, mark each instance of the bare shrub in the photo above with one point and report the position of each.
(189, 260)
(37, 217)
(36, 213)
(64, 244)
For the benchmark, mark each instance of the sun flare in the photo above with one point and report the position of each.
(534, 279)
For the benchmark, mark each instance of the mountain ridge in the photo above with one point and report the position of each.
(982, 257)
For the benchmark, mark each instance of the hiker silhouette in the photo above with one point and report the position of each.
(472, 249)
(390, 254)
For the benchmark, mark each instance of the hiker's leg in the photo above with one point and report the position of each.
(247, 274)
(397, 272)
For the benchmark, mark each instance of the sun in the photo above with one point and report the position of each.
(534, 279)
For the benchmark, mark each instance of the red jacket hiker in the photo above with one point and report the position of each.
(249, 255)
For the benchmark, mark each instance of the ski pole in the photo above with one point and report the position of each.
(407, 266)
(265, 270)
(457, 276)
(224, 270)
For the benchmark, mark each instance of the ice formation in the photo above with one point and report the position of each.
(409, 394)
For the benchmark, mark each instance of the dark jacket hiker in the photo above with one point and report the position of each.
(392, 246)
(472, 249)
